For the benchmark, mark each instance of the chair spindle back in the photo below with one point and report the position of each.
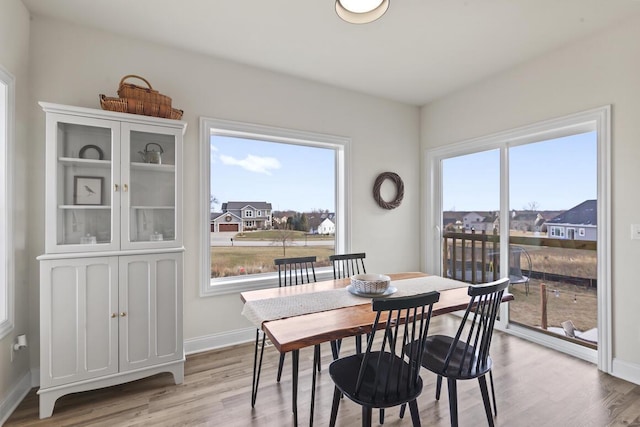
(295, 271)
(346, 265)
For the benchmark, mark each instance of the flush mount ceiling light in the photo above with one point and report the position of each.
(361, 11)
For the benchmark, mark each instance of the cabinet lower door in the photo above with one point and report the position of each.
(78, 319)
(150, 310)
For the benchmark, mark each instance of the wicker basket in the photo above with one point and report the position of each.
(144, 94)
(136, 106)
(140, 100)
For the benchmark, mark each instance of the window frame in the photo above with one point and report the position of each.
(342, 147)
(6, 195)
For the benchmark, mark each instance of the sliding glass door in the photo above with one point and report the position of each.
(531, 204)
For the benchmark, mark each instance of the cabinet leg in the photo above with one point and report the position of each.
(47, 403)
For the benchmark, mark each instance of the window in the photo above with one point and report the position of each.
(287, 183)
(557, 232)
(6, 247)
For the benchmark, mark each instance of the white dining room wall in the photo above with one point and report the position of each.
(590, 73)
(15, 378)
(72, 65)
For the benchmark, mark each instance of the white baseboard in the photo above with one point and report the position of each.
(627, 371)
(11, 402)
(220, 340)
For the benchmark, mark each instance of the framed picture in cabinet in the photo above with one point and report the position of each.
(87, 190)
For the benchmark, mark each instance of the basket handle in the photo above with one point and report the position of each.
(137, 77)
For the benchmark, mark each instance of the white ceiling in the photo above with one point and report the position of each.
(418, 51)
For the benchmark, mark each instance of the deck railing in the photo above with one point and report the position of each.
(474, 257)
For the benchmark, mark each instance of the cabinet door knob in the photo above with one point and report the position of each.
(114, 315)
(125, 187)
(115, 187)
(122, 314)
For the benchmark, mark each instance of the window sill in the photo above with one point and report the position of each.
(235, 285)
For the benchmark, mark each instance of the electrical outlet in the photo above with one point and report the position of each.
(635, 231)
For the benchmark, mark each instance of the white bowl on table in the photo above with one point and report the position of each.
(370, 284)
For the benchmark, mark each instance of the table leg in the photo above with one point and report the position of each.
(294, 393)
(316, 359)
(257, 367)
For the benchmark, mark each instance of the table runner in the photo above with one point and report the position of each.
(259, 311)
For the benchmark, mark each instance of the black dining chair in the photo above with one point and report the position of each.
(344, 266)
(386, 377)
(291, 272)
(465, 356)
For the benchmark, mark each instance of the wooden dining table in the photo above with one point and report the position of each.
(290, 334)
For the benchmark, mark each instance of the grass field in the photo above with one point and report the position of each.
(570, 302)
(237, 260)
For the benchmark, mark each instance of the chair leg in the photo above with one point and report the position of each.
(294, 388)
(493, 394)
(335, 348)
(402, 409)
(485, 399)
(358, 339)
(453, 401)
(366, 416)
(257, 367)
(317, 362)
(280, 366)
(415, 414)
(381, 415)
(438, 387)
(337, 395)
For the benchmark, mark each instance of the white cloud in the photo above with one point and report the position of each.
(253, 163)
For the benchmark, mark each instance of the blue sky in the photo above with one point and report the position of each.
(555, 174)
(290, 177)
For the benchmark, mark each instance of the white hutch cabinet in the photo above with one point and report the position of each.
(111, 277)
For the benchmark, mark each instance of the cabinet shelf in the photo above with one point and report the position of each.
(74, 161)
(152, 167)
(153, 207)
(80, 207)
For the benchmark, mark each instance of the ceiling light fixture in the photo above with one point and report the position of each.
(361, 11)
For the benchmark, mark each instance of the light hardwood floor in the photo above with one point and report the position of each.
(535, 386)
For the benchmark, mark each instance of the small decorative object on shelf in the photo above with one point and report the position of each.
(399, 190)
(91, 151)
(156, 237)
(140, 100)
(88, 240)
(87, 190)
(151, 155)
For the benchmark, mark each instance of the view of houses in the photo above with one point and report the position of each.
(578, 223)
(244, 216)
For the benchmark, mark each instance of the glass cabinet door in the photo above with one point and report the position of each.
(150, 186)
(80, 199)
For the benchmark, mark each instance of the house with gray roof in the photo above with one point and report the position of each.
(242, 216)
(578, 223)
